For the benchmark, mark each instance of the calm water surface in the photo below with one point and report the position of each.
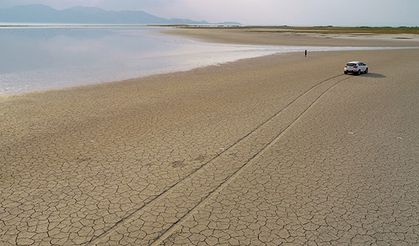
(33, 59)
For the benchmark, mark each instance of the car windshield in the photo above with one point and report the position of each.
(351, 64)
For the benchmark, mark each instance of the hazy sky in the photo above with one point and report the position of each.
(274, 12)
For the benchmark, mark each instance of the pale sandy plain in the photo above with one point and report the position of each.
(277, 150)
(269, 36)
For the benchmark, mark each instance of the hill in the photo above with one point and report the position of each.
(83, 15)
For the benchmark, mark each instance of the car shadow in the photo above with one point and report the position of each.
(374, 75)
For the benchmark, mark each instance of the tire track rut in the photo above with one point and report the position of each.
(156, 219)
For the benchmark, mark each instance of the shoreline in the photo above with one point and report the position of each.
(6, 96)
(129, 80)
(207, 35)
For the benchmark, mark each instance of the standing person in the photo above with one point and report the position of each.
(305, 53)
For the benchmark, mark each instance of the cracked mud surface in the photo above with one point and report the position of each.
(263, 151)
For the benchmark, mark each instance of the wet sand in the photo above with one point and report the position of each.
(270, 150)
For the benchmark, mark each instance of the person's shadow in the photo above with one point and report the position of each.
(374, 75)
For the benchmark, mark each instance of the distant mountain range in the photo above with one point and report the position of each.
(84, 15)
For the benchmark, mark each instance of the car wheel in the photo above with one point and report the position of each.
(345, 72)
(359, 72)
(366, 71)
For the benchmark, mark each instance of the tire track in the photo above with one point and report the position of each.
(232, 177)
(97, 239)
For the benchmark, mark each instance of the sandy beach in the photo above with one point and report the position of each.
(273, 150)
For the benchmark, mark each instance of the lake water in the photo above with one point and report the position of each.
(50, 57)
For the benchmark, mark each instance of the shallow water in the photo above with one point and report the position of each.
(40, 58)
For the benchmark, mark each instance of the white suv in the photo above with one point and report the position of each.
(355, 67)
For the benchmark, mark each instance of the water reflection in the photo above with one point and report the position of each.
(36, 59)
